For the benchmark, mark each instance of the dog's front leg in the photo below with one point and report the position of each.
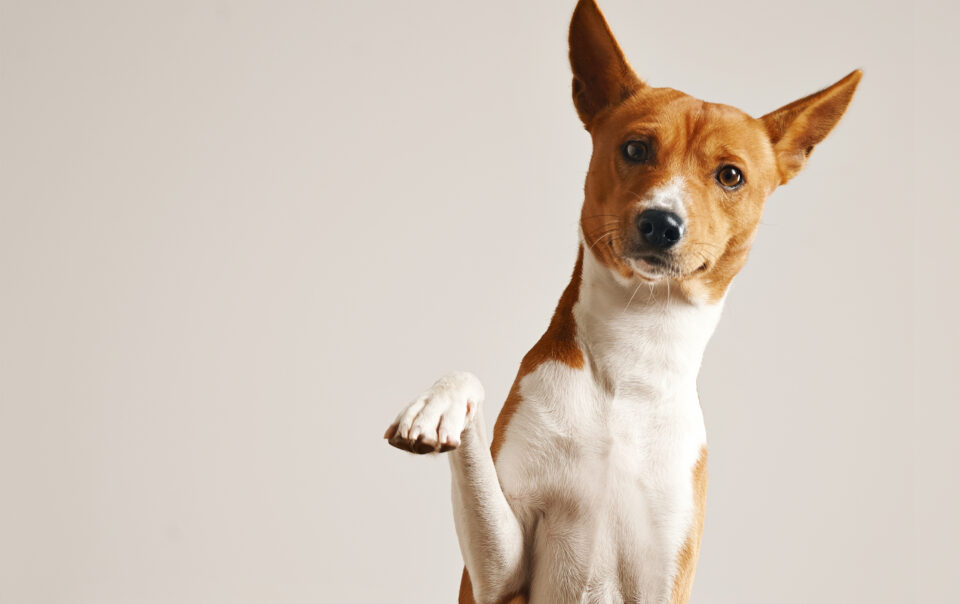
(449, 417)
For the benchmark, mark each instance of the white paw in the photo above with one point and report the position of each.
(435, 420)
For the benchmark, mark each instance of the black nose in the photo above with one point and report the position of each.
(660, 229)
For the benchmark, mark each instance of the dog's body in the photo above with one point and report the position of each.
(593, 487)
(612, 444)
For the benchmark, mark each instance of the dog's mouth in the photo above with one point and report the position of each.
(653, 267)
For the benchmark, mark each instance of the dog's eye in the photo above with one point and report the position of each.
(730, 177)
(636, 151)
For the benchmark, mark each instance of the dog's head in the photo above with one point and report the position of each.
(676, 185)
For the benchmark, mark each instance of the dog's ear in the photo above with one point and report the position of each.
(795, 129)
(601, 76)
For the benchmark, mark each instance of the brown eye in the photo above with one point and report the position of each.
(730, 177)
(636, 151)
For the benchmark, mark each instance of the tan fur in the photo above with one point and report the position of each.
(795, 129)
(687, 562)
(691, 139)
(558, 343)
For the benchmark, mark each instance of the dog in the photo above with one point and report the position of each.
(593, 487)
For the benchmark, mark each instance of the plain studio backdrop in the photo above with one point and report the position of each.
(236, 237)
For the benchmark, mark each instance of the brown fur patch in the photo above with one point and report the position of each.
(689, 139)
(601, 75)
(687, 562)
(558, 343)
(795, 129)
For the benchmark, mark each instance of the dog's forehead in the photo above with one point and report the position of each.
(674, 117)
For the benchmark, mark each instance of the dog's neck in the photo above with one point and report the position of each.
(641, 341)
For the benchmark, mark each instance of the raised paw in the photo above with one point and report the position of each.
(435, 421)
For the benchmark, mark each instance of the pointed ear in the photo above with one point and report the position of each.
(601, 76)
(795, 129)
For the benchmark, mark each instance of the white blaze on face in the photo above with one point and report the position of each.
(671, 197)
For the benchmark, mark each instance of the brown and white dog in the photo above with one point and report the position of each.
(593, 487)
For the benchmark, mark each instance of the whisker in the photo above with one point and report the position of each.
(605, 224)
(632, 296)
(705, 255)
(602, 229)
(601, 216)
(599, 239)
(705, 243)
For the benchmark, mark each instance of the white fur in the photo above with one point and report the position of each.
(671, 197)
(491, 537)
(442, 412)
(591, 499)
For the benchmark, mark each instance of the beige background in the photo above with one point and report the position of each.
(236, 236)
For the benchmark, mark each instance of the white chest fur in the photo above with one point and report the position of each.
(597, 462)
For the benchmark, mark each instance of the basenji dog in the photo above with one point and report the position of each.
(593, 487)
